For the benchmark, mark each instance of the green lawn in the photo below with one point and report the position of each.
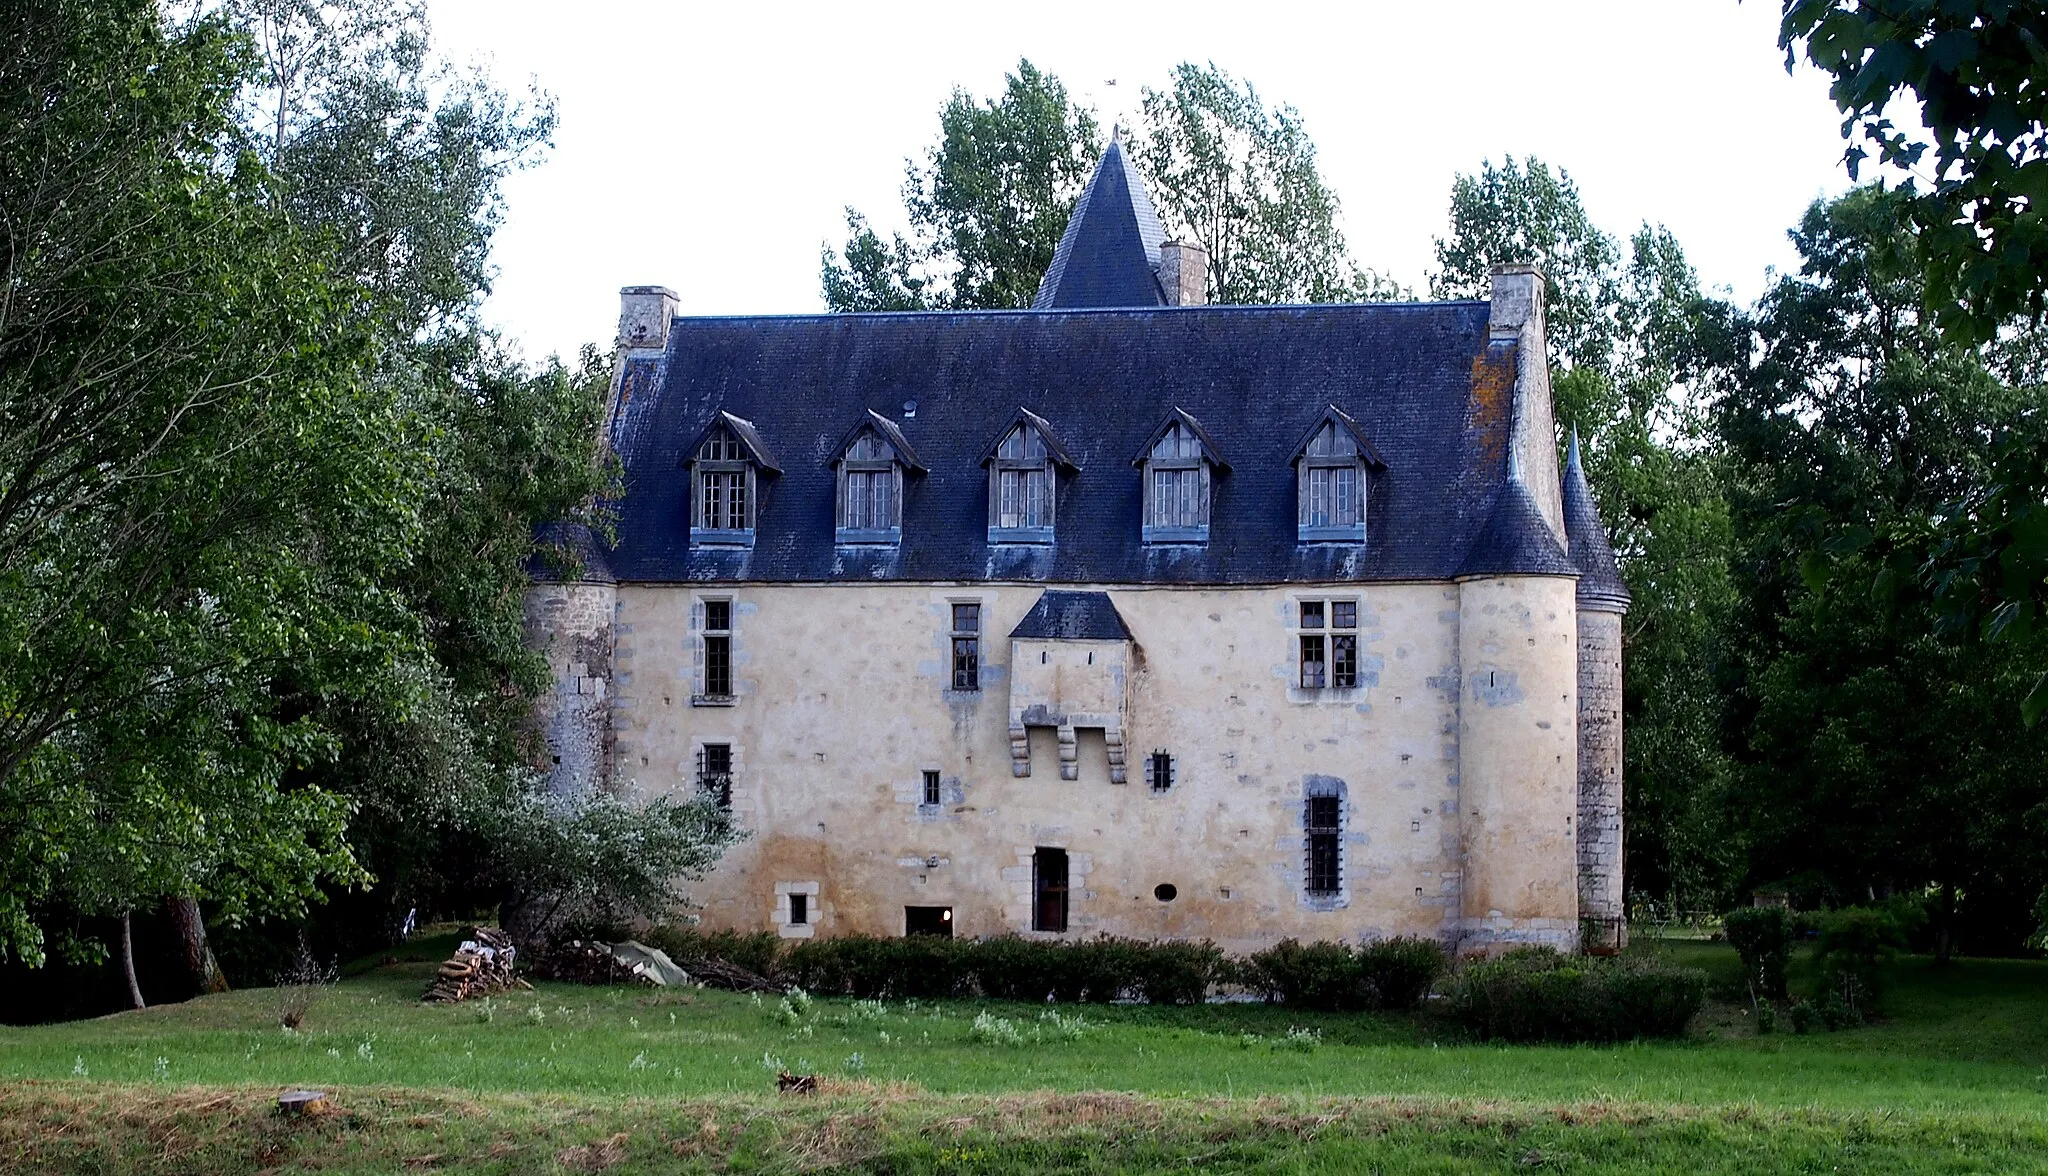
(1954, 1079)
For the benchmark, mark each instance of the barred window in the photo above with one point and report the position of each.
(714, 772)
(1160, 770)
(931, 787)
(1323, 821)
(966, 645)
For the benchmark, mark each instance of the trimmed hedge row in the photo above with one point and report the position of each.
(1535, 994)
(1387, 974)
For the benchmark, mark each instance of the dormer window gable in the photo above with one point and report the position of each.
(726, 465)
(1023, 480)
(872, 460)
(1331, 466)
(1177, 466)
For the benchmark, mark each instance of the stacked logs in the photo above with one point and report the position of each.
(581, 962)
(482, 966)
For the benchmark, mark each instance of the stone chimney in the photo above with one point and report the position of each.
(1184, 273)
(644, 314)
(1515, 319)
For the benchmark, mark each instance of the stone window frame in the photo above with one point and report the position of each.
(1329, 637)
(956, 635)
(1180, 446)
(1041, 890)
(873, 454)
(814, 912)
(1334, 445)
(1038, 450)
(710, 780)
(1333, 791)
(700, 621)
(729, 450)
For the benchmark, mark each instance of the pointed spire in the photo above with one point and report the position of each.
(1600, 584)
(1109, 255)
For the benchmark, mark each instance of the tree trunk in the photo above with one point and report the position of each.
(190, 926)
(124, 952)
(1945, 927)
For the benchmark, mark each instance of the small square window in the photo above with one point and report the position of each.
(799, 909)
(1159, 771)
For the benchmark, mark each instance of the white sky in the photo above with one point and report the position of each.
(712, 148)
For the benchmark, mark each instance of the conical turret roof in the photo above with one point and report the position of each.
(1600, 584)
(1109, 255)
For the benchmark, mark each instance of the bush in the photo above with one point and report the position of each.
(1010, 967)
(1535, 994)
(1398, 973)
(1855, 945)
(1180, 973)
(1762, 936)
(758, 952)
(1309, 976)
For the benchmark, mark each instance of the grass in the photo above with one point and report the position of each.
(1955, 1079)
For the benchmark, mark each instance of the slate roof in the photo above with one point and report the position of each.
(1073, 616)
(1422, 381)
(571, 552)
(1109, 255)
(1600, 584)
(1516, 540)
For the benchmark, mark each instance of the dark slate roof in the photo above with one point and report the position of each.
(1073, 616)
(905, 452)
(1421, 380)
(1109, 255)
(1516, 540)
(1599, 576)
(570, 552)
(1179, 416)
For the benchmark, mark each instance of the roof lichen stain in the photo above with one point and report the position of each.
(1493, 394)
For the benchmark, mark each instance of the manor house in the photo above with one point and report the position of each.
(1125, 613)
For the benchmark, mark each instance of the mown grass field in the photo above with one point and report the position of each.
(1955, 1079)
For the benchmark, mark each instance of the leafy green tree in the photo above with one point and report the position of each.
(987, 206)
(198, 493)
(1882, 756)
(1239, 178)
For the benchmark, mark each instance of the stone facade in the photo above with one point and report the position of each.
(571, 625)
(1600, 835)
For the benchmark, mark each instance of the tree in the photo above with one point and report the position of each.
(1881, 756)
(197, 492)
(987, 206)
(1240, 179)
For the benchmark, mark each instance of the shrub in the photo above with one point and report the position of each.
(758, 952)
(1179, 973)
(1398, 973)
(1534, 994)
(1308, 976)
(1010, 967)
(1855, 945)
(1762, 936)
(1102, 969)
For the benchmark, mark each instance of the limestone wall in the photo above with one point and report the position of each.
(571, 624)
(1518, 749)
(1601, 897)
(844, 699)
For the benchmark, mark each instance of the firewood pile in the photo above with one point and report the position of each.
(482, 966)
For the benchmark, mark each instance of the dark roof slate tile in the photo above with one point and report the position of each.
(1073, 616)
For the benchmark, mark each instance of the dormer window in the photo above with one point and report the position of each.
(725, 468)
(1023, 481)
(1176, 467)
(872, 461)
(1330, 481)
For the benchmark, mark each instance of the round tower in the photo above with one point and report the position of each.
(1517, 718)
(569, 621)
(1602, 601)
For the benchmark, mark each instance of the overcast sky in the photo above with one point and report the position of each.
(712, 149)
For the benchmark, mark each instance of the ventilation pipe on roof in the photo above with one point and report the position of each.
(1184, 273)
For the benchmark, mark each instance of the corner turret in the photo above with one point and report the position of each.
(1602, 601)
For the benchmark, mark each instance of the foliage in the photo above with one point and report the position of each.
(1398, 973)
(1856, 943)
(1239, 179)
(1177, 972)
(1762, 936)
(1321, 975)
(1535, 994)
(987, 207)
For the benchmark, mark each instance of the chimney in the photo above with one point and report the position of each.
(644, 314)
(1184, 273)
(1517, 299)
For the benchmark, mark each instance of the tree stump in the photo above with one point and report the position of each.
(303, 1102)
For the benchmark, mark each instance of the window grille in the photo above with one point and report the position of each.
(1160, 771)
(1325, 844)
(966, 646)
(931, 788)
(714, 772)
